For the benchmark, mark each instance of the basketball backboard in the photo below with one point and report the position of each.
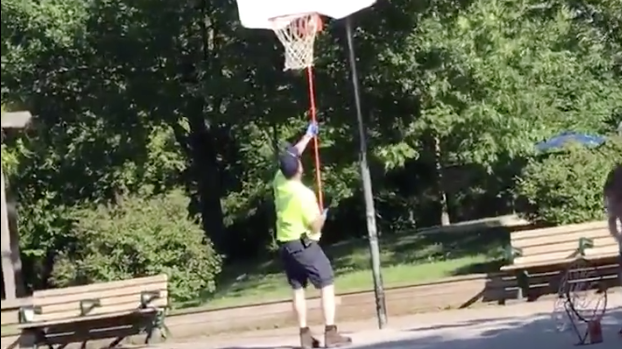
(256, 14)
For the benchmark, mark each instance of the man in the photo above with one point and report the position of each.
(299, 224)
(613, 201)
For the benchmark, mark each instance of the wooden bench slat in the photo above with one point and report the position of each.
(10, 317)
(536, 264)
(559, 238)
(132, 301)
(550, 257)
(566, 246)
(103, 286)
(15, 303)
(563, 261)
(596, 252)
(74, 314)
(564, 255)
(10, 310)
(10, 341)
(564, 229)
(63, 298)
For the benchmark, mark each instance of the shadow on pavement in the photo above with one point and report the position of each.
(509, 333)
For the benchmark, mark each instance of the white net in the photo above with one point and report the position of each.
(297, 34)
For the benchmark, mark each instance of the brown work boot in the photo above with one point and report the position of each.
(307, 341)
(332, 338)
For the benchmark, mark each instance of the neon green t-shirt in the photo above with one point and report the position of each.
(296, 208)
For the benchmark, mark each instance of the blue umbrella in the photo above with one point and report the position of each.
(561, 140)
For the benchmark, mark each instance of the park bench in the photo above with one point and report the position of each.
(98, 311)
(10, 321)
(537, 256)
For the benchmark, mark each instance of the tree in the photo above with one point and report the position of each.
(135, 100)
(138, 237)
(565, 186)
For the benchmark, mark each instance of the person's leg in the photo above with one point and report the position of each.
(297, 279)
(320, 274)
(299, 304)
(307, 340)
(328, 304)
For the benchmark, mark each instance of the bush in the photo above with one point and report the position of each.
(139, 237)
(565, 186)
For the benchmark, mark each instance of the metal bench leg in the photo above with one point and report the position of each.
(522, 280)
(161, 324)
(157, 323)
(40, 336)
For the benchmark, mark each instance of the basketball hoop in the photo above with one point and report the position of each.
(582, 302)
(297, 34)
(296, 24)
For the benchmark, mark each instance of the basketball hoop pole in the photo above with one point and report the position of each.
(370, 211)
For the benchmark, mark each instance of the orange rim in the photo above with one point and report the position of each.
(304, 23)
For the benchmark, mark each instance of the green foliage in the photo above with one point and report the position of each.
(139, 237)
(565, 186)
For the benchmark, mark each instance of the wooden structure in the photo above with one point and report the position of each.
(10, 322)
(11, 260)
(537, 256)
(115, 309)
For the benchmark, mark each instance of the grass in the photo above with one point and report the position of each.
(406, 259)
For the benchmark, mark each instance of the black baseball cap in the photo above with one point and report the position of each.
(289, 161)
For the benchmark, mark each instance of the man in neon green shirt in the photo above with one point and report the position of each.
(299, 224)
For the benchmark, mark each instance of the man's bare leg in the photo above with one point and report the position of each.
(328, 305)
(299, 303)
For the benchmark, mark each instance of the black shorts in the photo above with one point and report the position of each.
(304, 261)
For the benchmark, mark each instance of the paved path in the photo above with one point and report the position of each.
(525, 326)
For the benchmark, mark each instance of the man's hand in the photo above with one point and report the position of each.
(312, 130)
(317, 225)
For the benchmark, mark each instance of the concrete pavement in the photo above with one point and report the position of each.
(524, 326)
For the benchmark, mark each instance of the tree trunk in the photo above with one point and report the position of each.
(440, 182)
(206, 173)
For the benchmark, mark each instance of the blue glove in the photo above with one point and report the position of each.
(312, 129)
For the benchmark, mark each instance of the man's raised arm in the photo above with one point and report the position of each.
(312, 131)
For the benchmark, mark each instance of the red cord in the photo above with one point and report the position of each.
(313, 111)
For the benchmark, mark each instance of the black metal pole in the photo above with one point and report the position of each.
(370, 211)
